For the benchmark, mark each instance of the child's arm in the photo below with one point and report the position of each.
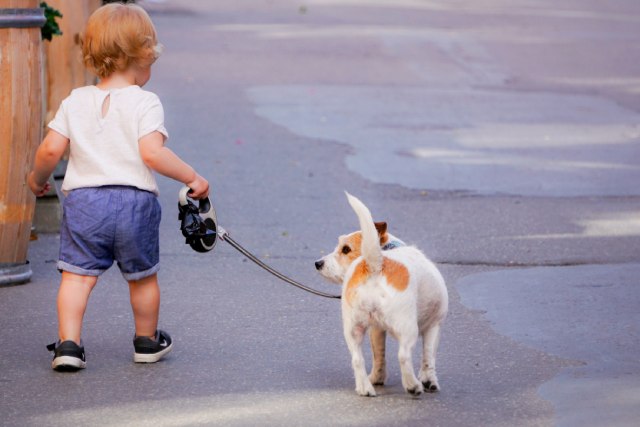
(164, 161)
(47, 157)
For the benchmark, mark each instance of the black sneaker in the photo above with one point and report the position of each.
(148, 350)
(67, 356)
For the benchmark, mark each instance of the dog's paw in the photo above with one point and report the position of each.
(366, 390)
(429, 381)
(415, 390)
(431, 386)
(378, 377)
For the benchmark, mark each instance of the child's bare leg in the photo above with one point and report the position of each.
(145, 302)
(73, 296)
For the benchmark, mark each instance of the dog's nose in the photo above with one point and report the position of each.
(319, 264)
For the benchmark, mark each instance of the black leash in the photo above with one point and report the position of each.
(199, 226)
(225, 236)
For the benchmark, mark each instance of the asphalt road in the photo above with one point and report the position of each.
(501, 137)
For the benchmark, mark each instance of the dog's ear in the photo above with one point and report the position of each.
(381, 227)
(382, 232)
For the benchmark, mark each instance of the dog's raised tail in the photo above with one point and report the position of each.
(371, 251)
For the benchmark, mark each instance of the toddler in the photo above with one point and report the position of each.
(115, 133)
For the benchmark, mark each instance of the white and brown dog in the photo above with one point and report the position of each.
(387, 286)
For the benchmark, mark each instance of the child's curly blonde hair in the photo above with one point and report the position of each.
(117, 36)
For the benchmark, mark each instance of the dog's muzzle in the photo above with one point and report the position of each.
(319, 264)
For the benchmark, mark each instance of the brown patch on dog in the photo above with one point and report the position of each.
(354, 242)
(359, 276)
(397, 275)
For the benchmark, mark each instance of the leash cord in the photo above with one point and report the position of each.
(225, 236)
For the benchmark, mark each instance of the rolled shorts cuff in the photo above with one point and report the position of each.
(65, 266)
(141, 274)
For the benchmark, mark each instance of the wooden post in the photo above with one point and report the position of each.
(20, 130)
(65, 69)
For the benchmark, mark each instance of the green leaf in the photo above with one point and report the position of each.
(51, 27)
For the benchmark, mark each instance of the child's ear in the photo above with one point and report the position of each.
(381, 227)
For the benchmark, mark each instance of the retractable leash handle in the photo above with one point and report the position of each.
(199, 224)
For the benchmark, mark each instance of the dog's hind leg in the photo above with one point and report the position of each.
(430, 340)
(378, 373)
(406, 342)
(354, 337)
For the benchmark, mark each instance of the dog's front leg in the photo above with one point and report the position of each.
(354, 335)
(378, 373)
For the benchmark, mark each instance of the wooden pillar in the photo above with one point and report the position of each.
(20, 129)
(65, 69)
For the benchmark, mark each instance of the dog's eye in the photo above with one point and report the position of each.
(346, 249)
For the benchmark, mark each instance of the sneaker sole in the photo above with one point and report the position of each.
(151, 358)
(68, 364)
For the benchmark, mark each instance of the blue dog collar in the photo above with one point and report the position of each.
(393, 245)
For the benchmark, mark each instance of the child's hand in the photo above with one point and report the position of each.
(199, 188)
(37, 189)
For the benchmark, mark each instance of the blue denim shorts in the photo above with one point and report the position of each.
(101, 225)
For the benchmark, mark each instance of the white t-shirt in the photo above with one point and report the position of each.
(104, 150)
